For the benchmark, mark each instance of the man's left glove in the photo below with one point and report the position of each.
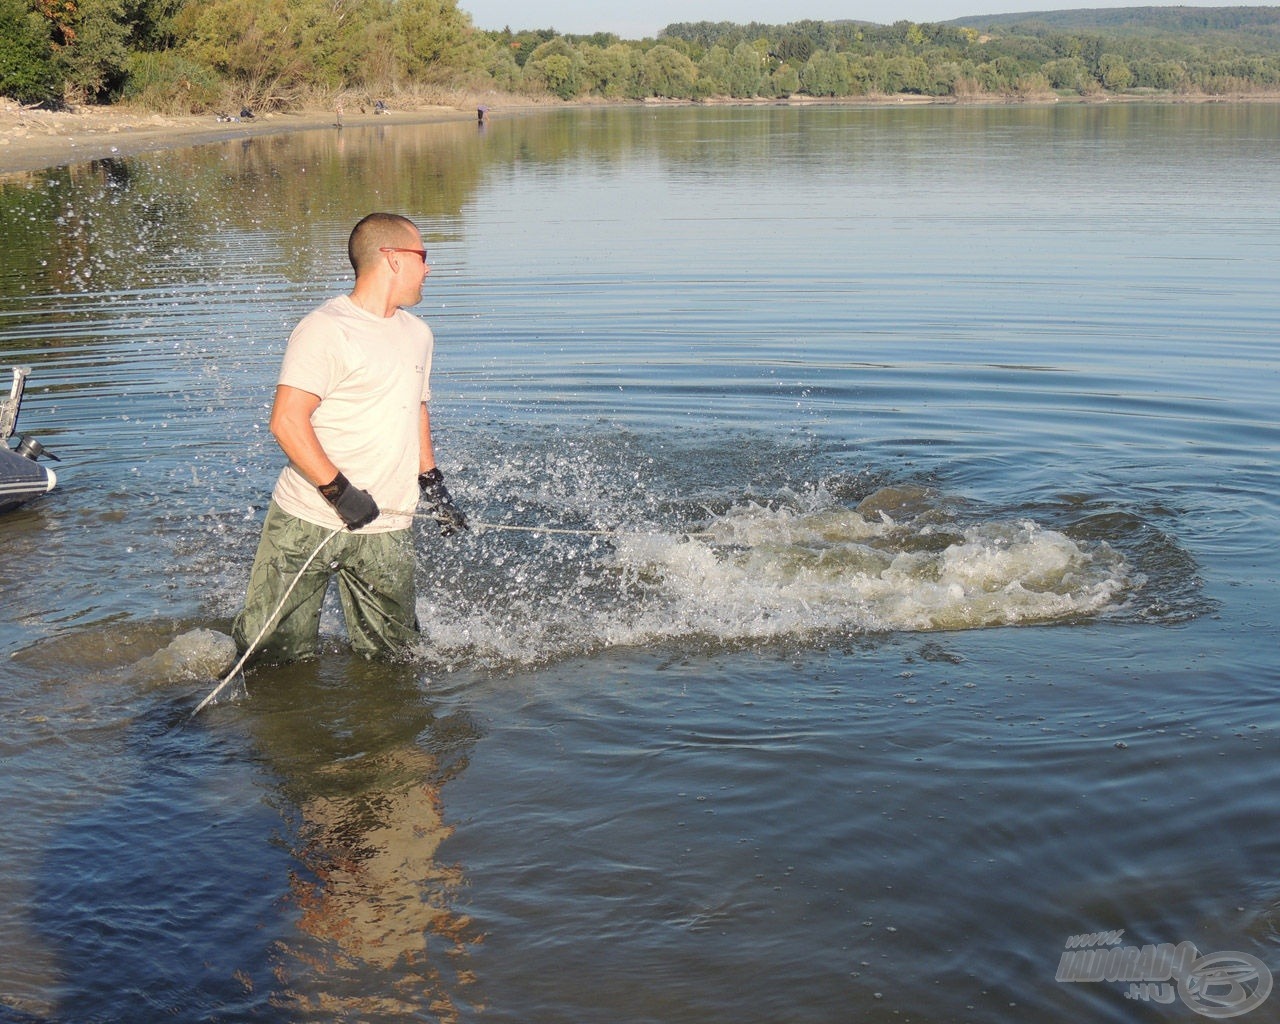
(440, 503)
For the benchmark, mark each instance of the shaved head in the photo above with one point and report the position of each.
(375, 231)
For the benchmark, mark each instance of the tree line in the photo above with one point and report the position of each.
(205, 55)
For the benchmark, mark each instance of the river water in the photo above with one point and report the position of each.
(912, 610)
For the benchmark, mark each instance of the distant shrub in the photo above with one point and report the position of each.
(1031, 85)
(170, 83)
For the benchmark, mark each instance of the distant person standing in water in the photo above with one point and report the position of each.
(351, 416)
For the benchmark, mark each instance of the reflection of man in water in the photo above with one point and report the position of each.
(362, 767)
(351, 415)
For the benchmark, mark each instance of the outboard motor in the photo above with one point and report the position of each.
(30, 448)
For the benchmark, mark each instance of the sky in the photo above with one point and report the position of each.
(639, 19)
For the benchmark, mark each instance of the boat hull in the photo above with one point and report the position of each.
(22, 480)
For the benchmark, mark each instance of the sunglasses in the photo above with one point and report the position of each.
(420, 253)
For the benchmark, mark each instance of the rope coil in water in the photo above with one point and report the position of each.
(475, 524)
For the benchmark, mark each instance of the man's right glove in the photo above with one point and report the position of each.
(440, 503)
(355, 508)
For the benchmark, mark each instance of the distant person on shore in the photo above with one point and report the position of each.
(351, 416)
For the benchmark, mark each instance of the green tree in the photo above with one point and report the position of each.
(436, 37)
(1114, 72)
(1090, 51)
(555, 66)
(784, 80)
(714, 72)
(1168, 75)
(607, 71)
(369, 50)
(152, 24)
(556, 73)
(500, 64)
(620, 73)
(93, 48)
(1001, 75)
(944, 77)
(861, 72)
(276, 52)
(330, 33)
(522, 44)
(793, 45)
(27, 73)
(249, 42)
(824, 74)
(1068, 73)
(746, 72)
(908, 74)
(665, 71)
(230, 36)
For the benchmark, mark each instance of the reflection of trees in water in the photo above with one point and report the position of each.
(361, 759)
(94, 226)
(210, 214)
(198, 215)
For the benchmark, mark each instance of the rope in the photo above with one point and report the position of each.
(265, 627)
(542, 529)
(576, 533)
(480, 525)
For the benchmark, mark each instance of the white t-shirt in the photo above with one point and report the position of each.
(371, 374)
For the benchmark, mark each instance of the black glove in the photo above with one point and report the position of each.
(439, 502)
(356, 508)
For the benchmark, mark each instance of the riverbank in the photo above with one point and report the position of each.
(32, 139)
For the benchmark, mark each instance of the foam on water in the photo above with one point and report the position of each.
(762, 573)
(900, 561)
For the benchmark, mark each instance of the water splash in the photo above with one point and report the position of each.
(767, 572)
(903, 559)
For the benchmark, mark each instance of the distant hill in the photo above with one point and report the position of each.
(1138, 21)
(1248, 30)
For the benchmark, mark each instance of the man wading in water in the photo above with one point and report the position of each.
(351, 415)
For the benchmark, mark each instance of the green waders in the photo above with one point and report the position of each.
(375, 585)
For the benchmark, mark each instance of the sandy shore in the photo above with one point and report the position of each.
(34, 139)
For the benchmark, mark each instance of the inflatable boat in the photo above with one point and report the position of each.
(22, 478)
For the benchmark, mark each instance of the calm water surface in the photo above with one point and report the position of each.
(914, 611)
